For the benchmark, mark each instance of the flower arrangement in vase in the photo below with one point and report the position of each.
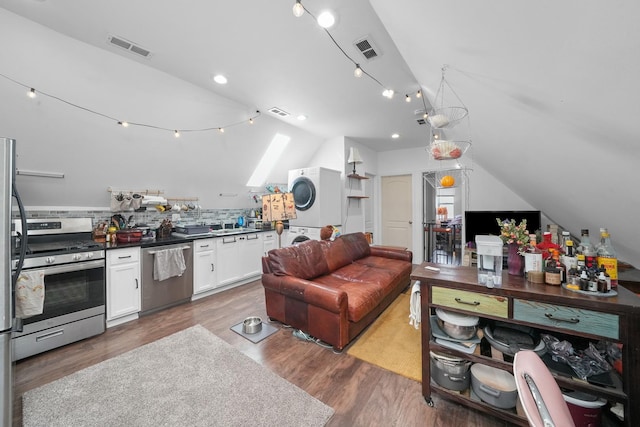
(516, 237)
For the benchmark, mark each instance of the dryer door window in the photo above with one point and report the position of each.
(300, 239)
(304, 193)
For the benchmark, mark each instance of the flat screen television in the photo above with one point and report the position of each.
(484, 222)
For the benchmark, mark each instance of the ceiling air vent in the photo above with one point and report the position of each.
(278, 112)
(130, 46)
(367, 48)
(420, 116)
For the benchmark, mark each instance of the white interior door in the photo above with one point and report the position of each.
(396, 211)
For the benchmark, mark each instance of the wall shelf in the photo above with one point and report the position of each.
(356, 176)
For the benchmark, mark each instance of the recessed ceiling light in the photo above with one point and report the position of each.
(220, 79)
(395, 136)
(326, 19)
(302, 117)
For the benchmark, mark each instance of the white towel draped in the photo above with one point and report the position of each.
(168, 263)
(414, 305)
(30, 294)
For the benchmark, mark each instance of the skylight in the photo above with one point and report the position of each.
(268, 161)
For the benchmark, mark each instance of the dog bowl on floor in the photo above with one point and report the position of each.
(252, 325)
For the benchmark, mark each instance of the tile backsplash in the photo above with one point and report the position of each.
(150, 217)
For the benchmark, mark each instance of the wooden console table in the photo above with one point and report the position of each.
(549, 309)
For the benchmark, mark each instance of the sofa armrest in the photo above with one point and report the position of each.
(310, 292)
(388, 252)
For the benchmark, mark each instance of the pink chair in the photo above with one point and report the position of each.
(529, 369)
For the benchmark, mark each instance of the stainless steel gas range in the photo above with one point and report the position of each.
(74, 282)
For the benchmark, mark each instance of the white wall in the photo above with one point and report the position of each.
(95, 153)
(484, 191)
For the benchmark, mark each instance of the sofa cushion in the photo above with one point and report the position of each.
(357, 245)
(305, 260)
(386, 264)
(362, 297)
(336, 253)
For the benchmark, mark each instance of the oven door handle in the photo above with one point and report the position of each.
(67, 268)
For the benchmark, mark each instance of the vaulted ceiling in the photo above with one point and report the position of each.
(550, 86)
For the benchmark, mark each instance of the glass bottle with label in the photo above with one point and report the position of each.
(588, 250)
(606, 256)
(570, 261)
(532, 256)
(554, 271)
(563, 242)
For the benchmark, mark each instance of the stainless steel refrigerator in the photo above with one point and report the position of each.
(8, 278)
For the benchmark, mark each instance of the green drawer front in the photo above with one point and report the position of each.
(481, 304)
(569, 318)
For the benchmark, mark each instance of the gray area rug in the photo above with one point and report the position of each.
(191, 378)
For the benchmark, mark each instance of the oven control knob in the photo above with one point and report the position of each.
(76, 257)
(90, 255)
(50, 260)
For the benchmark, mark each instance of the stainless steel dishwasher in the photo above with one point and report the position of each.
(157, 295)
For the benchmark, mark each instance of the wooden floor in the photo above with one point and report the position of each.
(361, 394)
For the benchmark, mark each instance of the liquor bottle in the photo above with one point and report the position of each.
(588, 250)
(606, 256)
(570, 260)
(563, 243)
(553, 271)
(532, 256)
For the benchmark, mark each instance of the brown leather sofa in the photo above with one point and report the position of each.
(332, 290)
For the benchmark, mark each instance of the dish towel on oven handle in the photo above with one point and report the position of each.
(29, 294)
(168, 263)
(414, 305)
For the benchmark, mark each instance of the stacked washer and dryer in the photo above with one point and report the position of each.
(317, 194)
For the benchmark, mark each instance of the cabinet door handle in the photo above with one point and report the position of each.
(213, 268)
(137, 283)
(124, 257)
(204, 246)
(460, 301)
(562, 319)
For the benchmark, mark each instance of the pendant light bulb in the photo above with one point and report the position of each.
(32, 93)
(176, 134)
(419, 94)
(358, 71)
(221, 130)
(407, 98)
(251, 121)
(298, 9)
(124, 124)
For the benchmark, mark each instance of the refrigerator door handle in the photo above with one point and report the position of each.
(17, 325)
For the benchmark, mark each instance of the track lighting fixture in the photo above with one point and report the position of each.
(358, 71)
(298, 9)
(32, 93)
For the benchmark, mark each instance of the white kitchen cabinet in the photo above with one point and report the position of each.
(252, 247)
(239, 257)
(123, 282)
(229, 259)
(269, 241)
(205, 275)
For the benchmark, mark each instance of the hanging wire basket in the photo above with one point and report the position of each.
(441, 149)
(448, 178)
(446, 114)
(446, 117)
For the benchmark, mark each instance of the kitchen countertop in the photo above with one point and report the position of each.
(184, 238)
